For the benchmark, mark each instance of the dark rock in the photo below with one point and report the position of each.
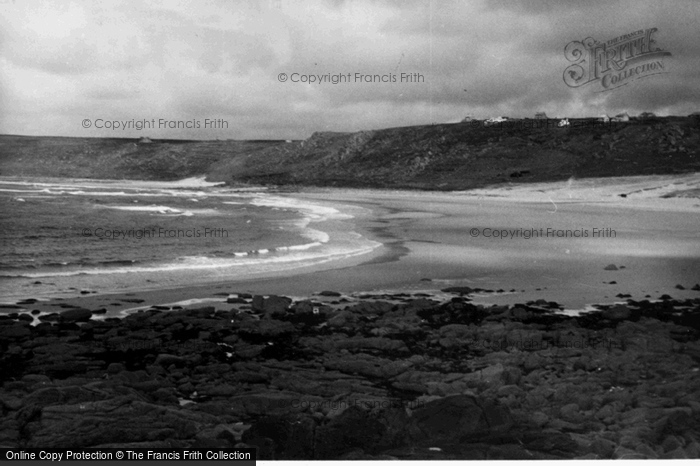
(115, 368)
(610, 267)
(76, 315)
(167, 360)
(680, 287)
(571, 413)
(604, 448)
(15, 331)
(366, 365)
(353, 429)
(28, 301)
(342, 319)
(236, 301)
(273, 305)
(266, 328)
(290, 437)
(25, 318)
(258, 303)
(165, 395)
(53, 317)
(371, 308)
(330, 293)
(460, 290)
(121, 419)
(617, 313)
(556, 443)
(456, 418)
(32, 380)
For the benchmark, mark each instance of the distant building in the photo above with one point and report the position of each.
(494, 120)
(467, 119)
(540, 116)
(145, 140)
(646, 115)
(604, 118)
(621, 117)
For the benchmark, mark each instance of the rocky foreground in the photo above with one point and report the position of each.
(390, 377)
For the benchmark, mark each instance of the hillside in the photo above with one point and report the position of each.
(117, 158)
(446, 157)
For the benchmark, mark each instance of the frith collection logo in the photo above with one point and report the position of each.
(616, 62)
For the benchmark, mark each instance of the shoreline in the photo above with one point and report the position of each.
(393, 217)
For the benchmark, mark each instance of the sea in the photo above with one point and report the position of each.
(63, 237)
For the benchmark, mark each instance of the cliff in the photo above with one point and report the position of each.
(444, 157)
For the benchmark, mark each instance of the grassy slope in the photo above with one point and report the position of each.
(116, 158)
(454, 156)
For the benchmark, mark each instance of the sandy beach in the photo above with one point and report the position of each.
(549, 241)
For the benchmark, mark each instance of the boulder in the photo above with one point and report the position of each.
(367, 366)
(372, 308)
(492, 376)
(15, 331)
(76, 315)
(458, 418)
(617, 313)
(272, 305)
(116, 420)
(342, 319)
(353, 429)
(266, 328)
(167, 360)
(283, 437)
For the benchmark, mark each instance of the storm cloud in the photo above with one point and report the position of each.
(64, 62)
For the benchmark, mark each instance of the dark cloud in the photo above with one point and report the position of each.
(65, 62)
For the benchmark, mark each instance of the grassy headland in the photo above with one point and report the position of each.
(443, 156)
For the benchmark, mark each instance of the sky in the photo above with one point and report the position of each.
(217, 69)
